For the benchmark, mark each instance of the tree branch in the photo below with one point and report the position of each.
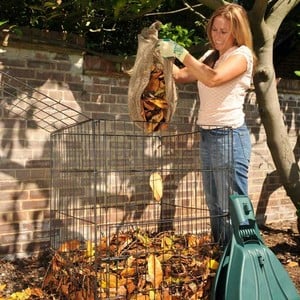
(258, 10)
(192, 9)
(213, 4)
(278, 13)
(177, 11)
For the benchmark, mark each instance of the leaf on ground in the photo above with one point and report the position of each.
(69, 246)
(293, 264)
(213, 264)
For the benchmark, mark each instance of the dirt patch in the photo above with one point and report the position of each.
(282, 238)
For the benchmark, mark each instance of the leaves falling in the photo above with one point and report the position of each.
(156, 185)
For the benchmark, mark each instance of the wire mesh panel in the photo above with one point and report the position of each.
(18, 99)
(128, 208)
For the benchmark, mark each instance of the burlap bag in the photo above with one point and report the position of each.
(149, 104)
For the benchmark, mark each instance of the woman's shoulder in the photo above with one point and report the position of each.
(248, 55)
(243, 50)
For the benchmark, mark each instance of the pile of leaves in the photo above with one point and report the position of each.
(24, 278)
(134, 265)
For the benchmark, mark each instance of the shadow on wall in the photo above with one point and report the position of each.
(271, 182)
(27, 117)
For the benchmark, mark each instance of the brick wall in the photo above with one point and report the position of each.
(95, 87)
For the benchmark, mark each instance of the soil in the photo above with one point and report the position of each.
(16, 276)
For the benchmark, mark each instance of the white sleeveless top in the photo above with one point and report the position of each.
(223, 105)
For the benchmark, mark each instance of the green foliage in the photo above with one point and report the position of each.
(180, 35)
(109, 26)
(3, 22)
(126, 9)
(76, 16)
(12, 28)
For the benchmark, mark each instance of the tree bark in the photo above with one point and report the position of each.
(267, 96)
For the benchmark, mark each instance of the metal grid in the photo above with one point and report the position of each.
(101, 191)
(18, 99)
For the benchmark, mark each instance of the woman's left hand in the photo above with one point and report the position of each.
(169, 49)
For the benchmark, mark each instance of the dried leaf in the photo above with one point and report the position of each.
(144, 239)
(131, 287)
(109, 280)
(213, 264)
(127, 241)
(2, 287)
(156, 185)
(65, 289)
(166, 294)
(197, 295)
(140, 296)
(122, 291)
(293, 264)
(69, 246)
(24, 295)
(78, 295)
(165, 257)
(150, 127)
(128, 272)
(90, 250)
(192, 241)
(37, 292)
(161, 103)
(153, 84)
(154, 295)
(158, 117)
(102, 245)
(130, 260)
(148, 105)
(166, 243)
(155, 271)
(141, 283)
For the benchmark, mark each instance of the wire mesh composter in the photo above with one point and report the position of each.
(128, 213)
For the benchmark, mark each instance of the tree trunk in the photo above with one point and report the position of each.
(272, 118)
(276, 132)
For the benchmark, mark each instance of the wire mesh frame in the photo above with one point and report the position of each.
(101, 185)
(19, 99)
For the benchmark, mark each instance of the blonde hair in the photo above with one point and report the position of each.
(240, 27)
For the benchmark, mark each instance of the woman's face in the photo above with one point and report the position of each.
(221, 34)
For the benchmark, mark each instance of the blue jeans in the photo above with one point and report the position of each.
(225, 156)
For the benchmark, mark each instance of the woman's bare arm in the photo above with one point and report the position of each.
(232, 67)
(183, 75)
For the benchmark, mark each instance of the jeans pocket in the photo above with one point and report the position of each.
(243, 143)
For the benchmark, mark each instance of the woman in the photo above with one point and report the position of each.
(223, 75)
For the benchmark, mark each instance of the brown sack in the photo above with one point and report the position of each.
(152, 95)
